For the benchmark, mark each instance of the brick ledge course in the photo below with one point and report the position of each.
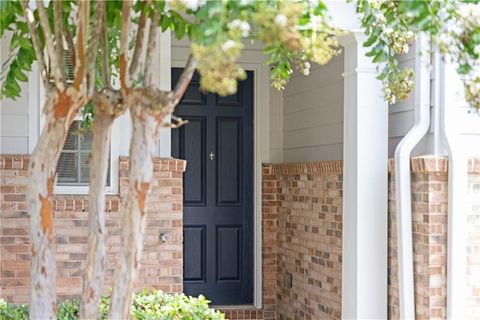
(21, 161)
(418, 164)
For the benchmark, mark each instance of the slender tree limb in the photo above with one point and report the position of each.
(108, 106)
(99, 10)
(70, 45)
(58, 21)
(57, 73)
(125, 28)
(36, 43)
(139, 42)
(152, 44)
(184, 80)
(176, 123)
(104, 44)
(81, 55)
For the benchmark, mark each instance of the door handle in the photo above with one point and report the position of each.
(211, 155)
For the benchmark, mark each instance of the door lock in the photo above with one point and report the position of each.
(211, 155)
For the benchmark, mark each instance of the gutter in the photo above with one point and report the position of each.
(448, 97)
(402, 177)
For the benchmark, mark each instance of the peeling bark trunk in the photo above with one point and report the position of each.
(93, 276)
(108, 108)
(147, 110)
(60, 109)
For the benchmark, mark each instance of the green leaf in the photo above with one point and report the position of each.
(165, 22)
(180, 29)
(464, 68)
(20, 75)
(371, 40)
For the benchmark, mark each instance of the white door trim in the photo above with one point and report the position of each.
(252, 60)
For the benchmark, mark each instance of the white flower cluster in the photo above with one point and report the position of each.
(193, 5)
(246, 2)
(241, 26)
(470, 10)
(399, 40)
(281, 20)
(229, 44)
(469, 22)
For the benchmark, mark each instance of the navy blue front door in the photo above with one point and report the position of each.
(217, 143)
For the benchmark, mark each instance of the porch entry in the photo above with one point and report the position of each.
(218, 195)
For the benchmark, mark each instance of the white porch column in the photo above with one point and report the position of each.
(365, 161)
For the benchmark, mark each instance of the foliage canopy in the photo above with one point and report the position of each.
(294, 33)
(453, 26)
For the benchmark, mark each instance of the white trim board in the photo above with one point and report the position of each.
(251, 61)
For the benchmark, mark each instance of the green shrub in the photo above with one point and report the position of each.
(145, 306)
(68, 310)
(10, 311)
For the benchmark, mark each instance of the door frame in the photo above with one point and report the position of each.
(251, 60)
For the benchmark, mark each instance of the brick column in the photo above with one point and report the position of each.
(473, 240)
(429, 217)
(269, 238)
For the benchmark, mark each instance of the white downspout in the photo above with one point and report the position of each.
(449, 99)
(402, 177)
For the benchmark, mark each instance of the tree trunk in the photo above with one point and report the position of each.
(107, 109)
(60, 110)
(148, 109)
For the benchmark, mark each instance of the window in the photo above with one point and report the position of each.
(73, 168)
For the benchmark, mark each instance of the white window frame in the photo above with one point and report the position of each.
(37, 121)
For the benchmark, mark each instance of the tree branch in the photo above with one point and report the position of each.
(36, 43)
(70, 45)
(184, 80)
(58, 20)
(139, 42)
(99, 10)
(124, 82)
(104, 43)
(58, 74)
(176, 123)
(152, 44)
(81, 56)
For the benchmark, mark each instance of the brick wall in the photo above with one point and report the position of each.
(308, 200)
(162, 264)
(308, 197)
(301, 236)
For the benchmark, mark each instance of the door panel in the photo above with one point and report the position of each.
(192, 147)
(229, 253)
(194, 247)
(229, 158)
(217, 143)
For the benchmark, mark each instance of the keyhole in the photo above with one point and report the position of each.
(211, 155)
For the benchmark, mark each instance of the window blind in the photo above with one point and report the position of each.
(73, 168)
